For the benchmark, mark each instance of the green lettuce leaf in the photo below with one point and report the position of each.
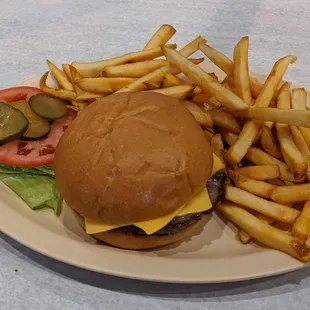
(36, 186)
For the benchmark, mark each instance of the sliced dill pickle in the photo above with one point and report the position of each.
(48, 107)
(38, 127)
(13, 123)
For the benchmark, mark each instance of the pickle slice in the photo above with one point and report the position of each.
(48, 107)
(38, 127)
(13, 123)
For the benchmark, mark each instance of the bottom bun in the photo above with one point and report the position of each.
(130, 241)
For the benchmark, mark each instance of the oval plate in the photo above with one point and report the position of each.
(213, 255)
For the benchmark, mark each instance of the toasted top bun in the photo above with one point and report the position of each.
(132, 157)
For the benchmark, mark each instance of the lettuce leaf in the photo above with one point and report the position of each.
(36, 186)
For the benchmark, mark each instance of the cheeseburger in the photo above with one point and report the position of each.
(136, 169)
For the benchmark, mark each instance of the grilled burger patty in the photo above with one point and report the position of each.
(215, 186)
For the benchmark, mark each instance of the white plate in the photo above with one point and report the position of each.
(213, 255)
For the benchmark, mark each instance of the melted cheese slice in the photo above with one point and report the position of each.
(198, 204)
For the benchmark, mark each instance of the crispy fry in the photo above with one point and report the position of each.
(157, 75)
(92, 69)
(180, 92)
(203, 118)
(197, 91)
(67, 70)
(258, 188)
(299, 102)
(171, 80)
(217, 145)
(160, 37)
(291, 193)
(269, 143)
(274, 210)
(151, 85)
(251, 128)
(241, 71)
(60, 76)
(209, 134)
(59, 93)
(301, 228)
(103, 85)
(303, 148)
(264, 233)
(204, 80)
(260, 172)
(225, 120)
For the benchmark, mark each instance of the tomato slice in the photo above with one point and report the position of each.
(18, 93)
(32, 153)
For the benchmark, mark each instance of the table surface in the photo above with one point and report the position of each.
(32, 31)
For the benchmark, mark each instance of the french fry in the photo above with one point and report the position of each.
(203, 118)
(274, 210)
(299, 102)
(209, 134)
(303, 148)
(301, 228)
(258, 188)
(291, 193)
(180, 92)
(241, 71)
(171, 80)
(269, 143)
(103, 85)
(225, 120)
(197, 91)
(217, 145)
(160, 37)
(152, 86)
(59, 93)
(67, 70)
(92, 69)
(264, 233)
(157, 75)
(260, 172)
(60, 76)
(252, 128)
(206, 82)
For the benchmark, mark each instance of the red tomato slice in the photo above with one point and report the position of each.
(32, 153)
(18, 93)
(36, 153)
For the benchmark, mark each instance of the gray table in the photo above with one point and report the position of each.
(62, 31)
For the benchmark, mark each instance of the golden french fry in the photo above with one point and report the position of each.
(67, 70)
(204, 80)
(241, 71)
(303, 148)
(197, 91)
(229, 81)
(291, 193)
(171, 80)
(225, 120)
(160, 37)
(180, 92)
(92, 69)
(217, 145)
(209, 134)
(60, 76)
(260, 172)
(152, 86)
(274, 210)
(252, 128)
(269, 143)
(103, 85)
(264, 233)
(202, 99)
(299, 102)
(157, 75)
(258, 188)
(301, 228)
(59, 93)
(203, 118)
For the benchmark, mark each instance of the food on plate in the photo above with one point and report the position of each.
(269, 142)
(134, 167)
(301, 228)
(260, 172)
(161, 36)
(28, 145)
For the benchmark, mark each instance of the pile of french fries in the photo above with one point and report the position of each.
(261, 131)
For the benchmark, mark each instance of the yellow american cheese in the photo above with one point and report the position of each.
(199, 203)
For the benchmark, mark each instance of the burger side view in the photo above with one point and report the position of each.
(134, 169)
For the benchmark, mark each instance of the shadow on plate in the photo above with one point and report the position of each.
(274, 285)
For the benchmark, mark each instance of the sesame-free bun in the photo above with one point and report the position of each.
(132, 157)
(131, 241)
